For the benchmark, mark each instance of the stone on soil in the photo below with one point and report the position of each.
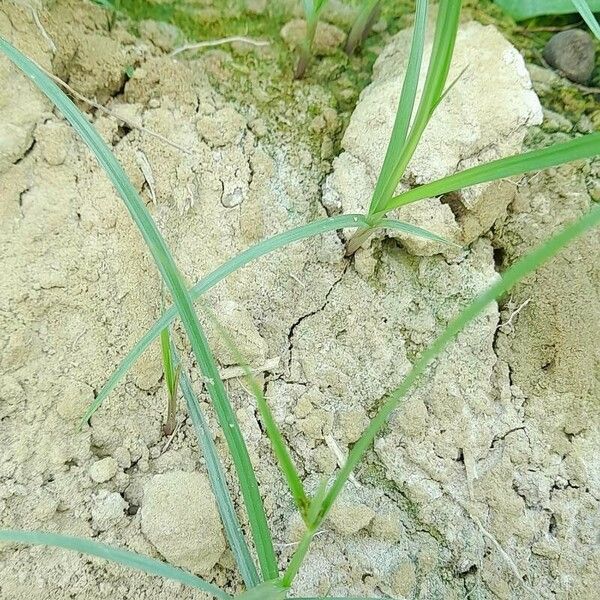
(573, 52)
(180, 518)
(461, 134)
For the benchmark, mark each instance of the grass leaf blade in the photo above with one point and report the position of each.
(588, 16)
(415, 231)
(448, 20)
(123, 557)
(406, 103)
(181, 297)
(216, 475)
(286, 464)
(535, 160)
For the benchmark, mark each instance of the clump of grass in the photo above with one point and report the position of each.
(367, 17)
(265, 582)
(312, 12)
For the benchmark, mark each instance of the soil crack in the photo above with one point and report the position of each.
(294, 326)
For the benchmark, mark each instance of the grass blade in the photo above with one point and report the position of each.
(271, 590)
(588, 16)
(435, 82)
(176, 286)
(286, 464)
(237, 262)
(406, 104)
(216, 475)
(536, 160)
(123, 557)
(168, 368)
(362, 25)
(415, 231)
(525, 266)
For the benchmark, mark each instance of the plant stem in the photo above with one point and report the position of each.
(298, 557)
(358, 239)
(304, 51)
(363, 24)
(171, 422)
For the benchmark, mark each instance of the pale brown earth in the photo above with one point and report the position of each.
(484, 484)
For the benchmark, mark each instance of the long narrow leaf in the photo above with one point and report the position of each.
(237, 262)
(536, 160)
(406, 103)
(286, 464)
(525, 266)
(588, 16)
(167, 359)
(216, 475)
(522, 268)
(123, 557)
(441, 56)
(525, 9)
(183, 301)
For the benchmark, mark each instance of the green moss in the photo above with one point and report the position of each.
(263, 77)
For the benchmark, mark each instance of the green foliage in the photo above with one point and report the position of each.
(312, 12)
(216, 475)
(407, 132)
(122, 557)
(585, 10)
(525, 9)
(364, 21)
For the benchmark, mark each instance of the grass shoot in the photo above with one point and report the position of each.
(312, 12)
(265, 581)
(367, 17)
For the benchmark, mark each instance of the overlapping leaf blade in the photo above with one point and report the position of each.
(183, 301)
(123, 557)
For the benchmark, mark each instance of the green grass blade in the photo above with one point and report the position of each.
(441, 56)
(509, 279)
(525, 9)
(233, 529)
(525, 266)
(271, 590)
(415, 231)
(362, 25)
(167, 360)
(406, 105)
(123, 557)
(237, 262)
(176, 286)
(588, 16)
(536, 160)
(286, 464)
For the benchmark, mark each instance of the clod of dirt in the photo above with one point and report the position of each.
(349, 519)
(256, 7)
(104, 469)
(17, 121)
(328, 38)
(163, 35)
(573, 52)
(240, 329)
(180, 518)
(108, 509)
(461, 134)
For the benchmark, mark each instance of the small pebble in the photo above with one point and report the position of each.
(573, 53)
